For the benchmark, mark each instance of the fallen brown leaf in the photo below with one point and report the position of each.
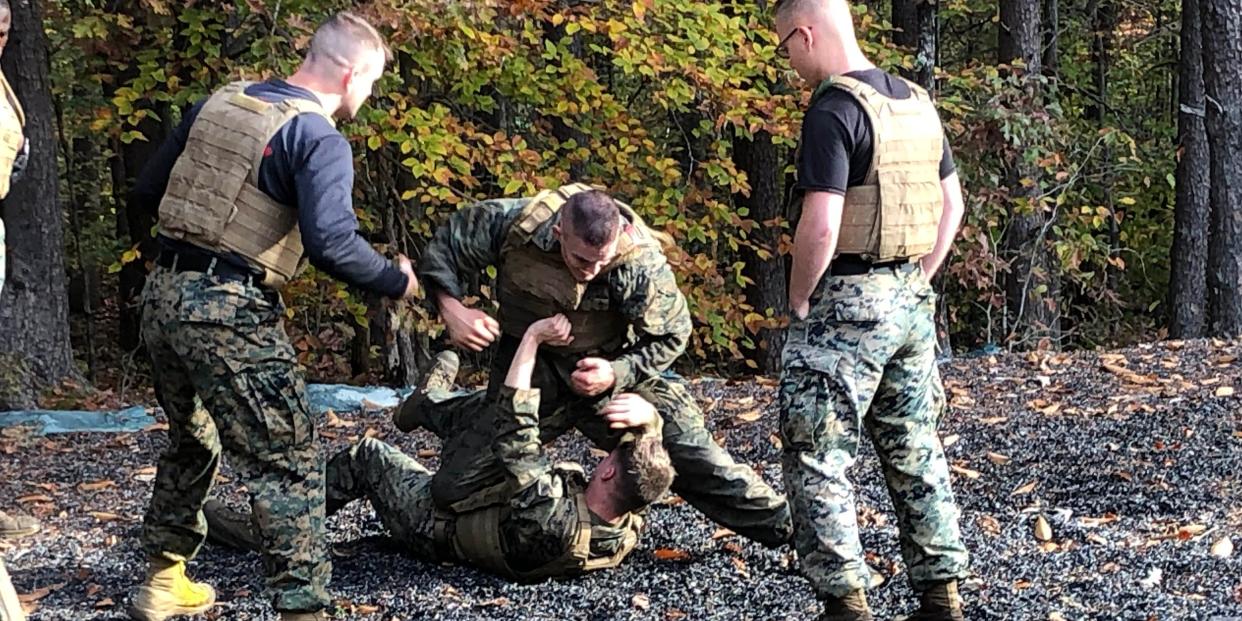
(428, 453)
(640, 601)
(1043, 531)
(671, 554)
(1190, 531)
(30, 498)
(990, 525)
(97, 485)
(1224, 391)
(1025, 489)
(1092, 522)
(950, 440)
(336, 421)
(674, 614)
(105, 603)
(1223, 548)
(740, 566)
(40, 593)
(747, 417)
(499, 601)
(993, 420)
(998, 458)
(104, 516)
(966, 472)
(721, 533)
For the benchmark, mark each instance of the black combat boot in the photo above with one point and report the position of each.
(940, 602)
(852, 607)
(439, 376)
(229, 528)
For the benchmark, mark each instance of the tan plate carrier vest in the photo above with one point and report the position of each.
(534, 283)
(895, 214)
(213, 198)
(12, 120)
(474, 524)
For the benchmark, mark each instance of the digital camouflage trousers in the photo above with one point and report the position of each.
(864, 361)
(226, 377)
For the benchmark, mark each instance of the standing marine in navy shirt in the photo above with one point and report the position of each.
(254, 178)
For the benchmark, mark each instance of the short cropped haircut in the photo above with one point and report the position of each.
(646, 472)
(789, 7)
(594, 217)
(346, 39)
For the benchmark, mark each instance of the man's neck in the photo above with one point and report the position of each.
(310, 82)
(846, 61)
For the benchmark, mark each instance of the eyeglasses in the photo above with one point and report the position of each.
(782, 49)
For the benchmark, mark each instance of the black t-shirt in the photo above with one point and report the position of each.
(838, 141)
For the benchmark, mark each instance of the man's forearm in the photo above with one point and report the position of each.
(651, 356)
(950, 221)
(815, 242)
(523, 365)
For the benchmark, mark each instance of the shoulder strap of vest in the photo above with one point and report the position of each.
(12, 97)
(539, 210)
(869, 99)
(277, 113)
(917, 91)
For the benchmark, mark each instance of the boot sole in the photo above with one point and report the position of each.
(18, 534)
(142, 614)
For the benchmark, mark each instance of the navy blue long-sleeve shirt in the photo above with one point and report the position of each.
(309, 166)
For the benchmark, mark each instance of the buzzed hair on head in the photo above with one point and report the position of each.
(593, 217)
(346, 39)
(790, 7)
(646, 471)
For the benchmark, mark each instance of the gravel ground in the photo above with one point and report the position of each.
(1131, 458)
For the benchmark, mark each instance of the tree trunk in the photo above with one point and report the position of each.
(916, 21)
(760, 159)
(1032, 283)
(138, 223)
(1222, 63)
(1052, 37)
(1104, 21)
(1188, 260)
(34, 307)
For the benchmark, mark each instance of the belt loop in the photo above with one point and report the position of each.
(211, 267)
(175, 256)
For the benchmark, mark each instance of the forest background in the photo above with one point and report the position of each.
(1098, 142)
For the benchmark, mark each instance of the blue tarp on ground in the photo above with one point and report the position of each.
(323, 397)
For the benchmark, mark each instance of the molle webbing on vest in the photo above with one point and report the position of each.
(12, 122)
(895, 214)
(534, 283)
(213, 198)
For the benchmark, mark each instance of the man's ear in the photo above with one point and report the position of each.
(608, 473)
(556, 231)
(347, 78)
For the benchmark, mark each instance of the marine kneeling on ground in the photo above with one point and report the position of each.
(575, 250)
(498, 502)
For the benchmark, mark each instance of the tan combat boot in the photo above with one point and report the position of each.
(852, 607)
(439, 376)
(167, 592)
(941, 602)
(15, 526)
(229, 528)
(304, 616)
